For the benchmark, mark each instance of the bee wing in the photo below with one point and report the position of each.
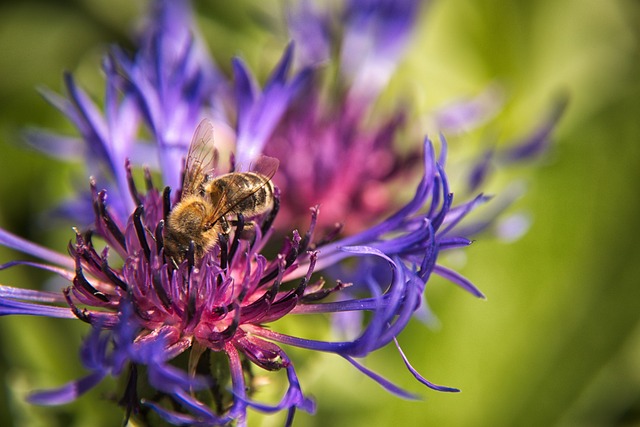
(201, 159)
(266, 166)
(235, 192)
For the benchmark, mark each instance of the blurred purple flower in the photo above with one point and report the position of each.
(376, 33)
(329, 153)
(258, 114)
(335, 151)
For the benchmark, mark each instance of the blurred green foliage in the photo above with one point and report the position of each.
(558, 340)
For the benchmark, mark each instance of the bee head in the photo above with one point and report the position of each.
(189, 222)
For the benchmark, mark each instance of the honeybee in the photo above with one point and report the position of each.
(205, 203)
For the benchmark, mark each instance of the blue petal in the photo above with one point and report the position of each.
(61, 147)
(258, 115)
(90, 123)
(310, 30)
(420, 377)
(279, 75)
(376, 33)
(168, 378)
(29, 294)
(12, 241)
(388, 385)
(539, 140)
(460, 212)
(459, 280)
(180, 419)
(245, 90)
(9, 307)
(202, 411)
(67, 393)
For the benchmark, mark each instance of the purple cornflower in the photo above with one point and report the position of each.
(147, 312)
(168, 324)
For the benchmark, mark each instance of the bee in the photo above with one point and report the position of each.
(201, 214)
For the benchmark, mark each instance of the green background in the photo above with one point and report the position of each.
(557, 343)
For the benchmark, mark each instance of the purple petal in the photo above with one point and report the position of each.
(420, 377)
(332, 347)
(459, 280)
(67, 393)
(245, 91)
(502, 202)
(539, 140)
(258, 115)
(66, 274)
(168, 378)
(61, 147)
(90, 123)
(180, 419)
(10, 307)
(93, 353)
(279, 75)
(386, 384)
(293, 398)
(480, 171)
(466, 114)
(453, 242)
(376, 34)
(310, 31)
(202, 411)
(360, 304)
(365, 250)
(409, 296)
(19, 244)
(30, 295)
(459, 212)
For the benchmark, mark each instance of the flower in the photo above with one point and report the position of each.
(151, 313)
(337, 149)
(337, 159)
(148, 311)
(349, 171)
(189, 329)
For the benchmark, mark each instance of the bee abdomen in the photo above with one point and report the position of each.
(256, 188)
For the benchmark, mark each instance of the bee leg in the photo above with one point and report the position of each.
(239, 224)
(249, 231)
(271, 215)
(226, 228)
(175, 263)
(245, 229)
